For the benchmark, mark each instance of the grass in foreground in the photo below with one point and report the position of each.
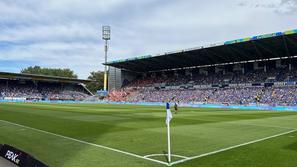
(141, 130)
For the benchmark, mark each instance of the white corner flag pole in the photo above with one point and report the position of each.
(169, 147)
(168, 118)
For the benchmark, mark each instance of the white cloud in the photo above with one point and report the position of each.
(67, 31)
(279, 6)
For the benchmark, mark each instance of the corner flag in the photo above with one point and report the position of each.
(168, 113)
(168, 118)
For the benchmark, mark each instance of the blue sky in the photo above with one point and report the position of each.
(67, 33)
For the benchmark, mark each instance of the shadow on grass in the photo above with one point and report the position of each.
(166, 157)
(55, 154)
(292, 146)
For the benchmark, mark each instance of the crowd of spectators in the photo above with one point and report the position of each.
(152, 88)
(280, 96)
(246, 95)
(251, 76)
(43, 91)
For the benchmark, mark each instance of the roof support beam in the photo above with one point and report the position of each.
(266, 48)
(196, 57)
(216, 54)
(191, 61)
(139, 63)
(206, 53)
(181, 61)
(184, 63)
(163, 64)
(147, 63)
(234, 56)
(259, 53)
(136, 67)
(286, 46)
(288, 39)
(292, 41)
(232, 48)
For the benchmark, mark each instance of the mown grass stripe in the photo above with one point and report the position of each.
(232, 147)
(87, 143)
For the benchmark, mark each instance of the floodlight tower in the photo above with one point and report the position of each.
(106, 37)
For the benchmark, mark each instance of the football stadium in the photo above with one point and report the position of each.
(127, 83)
(228, 104)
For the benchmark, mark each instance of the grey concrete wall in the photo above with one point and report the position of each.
(117, 76)
(114, 78)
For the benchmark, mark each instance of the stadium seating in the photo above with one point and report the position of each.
(42, 91)
(252, 87)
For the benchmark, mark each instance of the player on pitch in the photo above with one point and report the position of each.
(176, 107)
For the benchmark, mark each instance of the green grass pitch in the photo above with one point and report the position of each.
(78, 135)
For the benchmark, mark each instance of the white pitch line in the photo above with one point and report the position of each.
(87, 143)
(287, 119)
(266, 126)
(173, 155)
(232, 147)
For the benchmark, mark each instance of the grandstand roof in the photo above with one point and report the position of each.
(18, 76)
(279, 45)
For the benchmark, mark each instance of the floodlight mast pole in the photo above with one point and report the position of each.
(106, 37)
(105, 66)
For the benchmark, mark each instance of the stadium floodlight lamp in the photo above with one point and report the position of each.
(106, 32)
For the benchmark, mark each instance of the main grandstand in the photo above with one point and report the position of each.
(254, 70)
(29, 87)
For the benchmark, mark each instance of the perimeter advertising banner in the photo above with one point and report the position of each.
(18, 157)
